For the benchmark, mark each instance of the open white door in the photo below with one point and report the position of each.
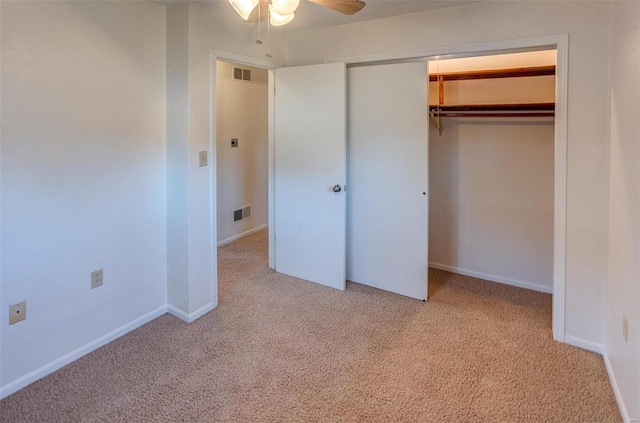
(387, 210)
(310, 166)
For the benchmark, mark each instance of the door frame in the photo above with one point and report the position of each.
(560, 43)
(270, 68)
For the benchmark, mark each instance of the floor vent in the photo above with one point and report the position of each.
(240, 74)
(242, 213)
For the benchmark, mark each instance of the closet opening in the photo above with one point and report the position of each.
(491, 167)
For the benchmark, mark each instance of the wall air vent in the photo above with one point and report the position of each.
(240, 74)
(246, 212)
(237, 215)
(242, 213)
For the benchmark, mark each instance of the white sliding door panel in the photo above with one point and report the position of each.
(387, 160)
(310, 159)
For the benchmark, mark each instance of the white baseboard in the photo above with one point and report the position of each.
(242, 235)
(616, 389)
(190, 317)
(584, 344)
(47, 369)
(492, 278)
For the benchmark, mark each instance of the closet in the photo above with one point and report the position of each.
(491, 144)
(375, 191)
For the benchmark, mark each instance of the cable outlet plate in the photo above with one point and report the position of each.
(17, 312)
(97, 279)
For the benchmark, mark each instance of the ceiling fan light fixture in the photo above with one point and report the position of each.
(244, 7)
(277, 19)
(284, 7)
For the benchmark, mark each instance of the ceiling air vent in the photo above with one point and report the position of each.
(240, 74)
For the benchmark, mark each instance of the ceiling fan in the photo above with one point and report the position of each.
(281, 12)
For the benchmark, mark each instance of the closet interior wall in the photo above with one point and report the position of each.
(491, 179)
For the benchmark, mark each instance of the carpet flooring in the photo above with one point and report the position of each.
(280, 349)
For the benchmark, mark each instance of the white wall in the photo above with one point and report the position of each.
(84, 88)
(212, 26)
(242, 172)
(177, 178)
(491, 179)
(83, 167)
(623, 290)
(588, 130)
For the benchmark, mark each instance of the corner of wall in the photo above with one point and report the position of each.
(177, 136)
(622, 353)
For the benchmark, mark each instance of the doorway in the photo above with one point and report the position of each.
(242, 164)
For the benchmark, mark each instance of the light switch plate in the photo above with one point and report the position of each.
(17, 312)
(203, 158)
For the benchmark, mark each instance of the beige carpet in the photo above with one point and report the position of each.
(279, 349)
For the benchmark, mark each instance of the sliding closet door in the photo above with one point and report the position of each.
(310, 173)
(387, 178)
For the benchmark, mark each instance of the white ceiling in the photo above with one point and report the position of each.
(313, 16)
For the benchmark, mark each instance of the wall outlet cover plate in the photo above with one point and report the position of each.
(97, 279)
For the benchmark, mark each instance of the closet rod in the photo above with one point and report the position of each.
(497, 114)
(496, 73)
(525, 107)
(494, 110)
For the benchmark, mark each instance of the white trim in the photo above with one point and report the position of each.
(427, 180)
(492, 278)
(176, 312)
(560, 189)
(213, 178)
(242, 235)
(616, 389)
(497, 47)
(272, 168)
(191, 316)
(584, 344)
(51, 367)
(228, 56)
(561, 43)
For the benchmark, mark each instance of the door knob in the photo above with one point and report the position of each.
(336, 188)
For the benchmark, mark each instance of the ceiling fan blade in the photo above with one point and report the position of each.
(264, 12)
(347, 7)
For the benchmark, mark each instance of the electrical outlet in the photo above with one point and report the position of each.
(625, 328)
(17, 312)
(97, 278)
(203, 158)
